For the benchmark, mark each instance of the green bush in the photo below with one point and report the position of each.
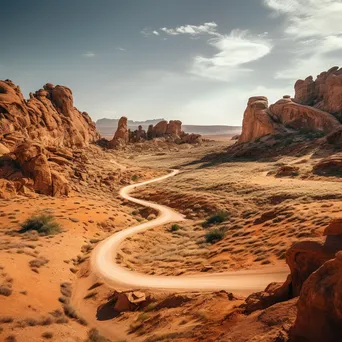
(218, 217)
(214, 235)
(135, 178)
(174, 228)
(44, 224)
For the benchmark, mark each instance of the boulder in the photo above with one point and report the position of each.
(304, 258)
(33, 163)
(159, 130)
(191, 138)
(150, 134)
(256, 120)
(334, 228)
(174, 128)
(302, 118)
(121, 136)
(274, 293)
(129, 301)
(319, 315)
(335, 137)
(60, 185)
(329, 167)
(7, 189)
(287, 171)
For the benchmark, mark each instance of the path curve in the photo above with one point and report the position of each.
(103, 260)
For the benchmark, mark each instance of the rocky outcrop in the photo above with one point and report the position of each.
(159, 130)
(121, 136)
(304, 258)
(138, 135)
(170, 132)
(319, 316)
(302, 118)
(191, 138)
(256, 120)
(48, 117)
(174, 128)
(325, 93)
(316, 107)
(32, 159)
(7, 189)
(331, 166)
(29, 169)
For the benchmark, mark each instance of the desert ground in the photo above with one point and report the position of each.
(48, 289)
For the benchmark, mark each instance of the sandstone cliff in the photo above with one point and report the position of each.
(38, 138)
(316, 107)
(48, 117)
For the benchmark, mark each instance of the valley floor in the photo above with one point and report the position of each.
(263, 216)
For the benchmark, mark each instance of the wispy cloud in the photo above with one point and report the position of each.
(316, 28)
(234, 50)
(89, 54)
(307, 18)
(147, 32)
(206, 28)
(156, 33)
(121, 48)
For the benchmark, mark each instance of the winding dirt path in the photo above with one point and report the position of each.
(103, 261)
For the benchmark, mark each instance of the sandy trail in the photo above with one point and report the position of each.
(104, 264)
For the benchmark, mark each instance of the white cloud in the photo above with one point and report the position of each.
(315, 27)
(156, 33)
(89, 54)
(234, 50)
(314, 56)
(121, 49)
(306, 18)
(206, 28)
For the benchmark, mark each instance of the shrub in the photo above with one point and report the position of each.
(5, 290)
(218, 217)
(90, 295)
(6, 319)
(94, 336)
(38, 262)
(48, 335)
(135, 178)
(174, 228)
(214, 236)
(44, 224)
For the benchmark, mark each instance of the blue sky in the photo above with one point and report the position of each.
(194, 60)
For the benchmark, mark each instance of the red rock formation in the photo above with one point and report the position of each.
(7, 189)
(191, 138)
(256, 120)
(174, 128)
(331, 166)
(324, 93)
(33, 161)
(48, 117)
(150, 132)
(159, 130)
(121, 137)
(304, 258)
(138, 135)
(302, 118)
(319, 316)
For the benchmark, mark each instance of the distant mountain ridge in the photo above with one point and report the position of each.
(107, 127)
